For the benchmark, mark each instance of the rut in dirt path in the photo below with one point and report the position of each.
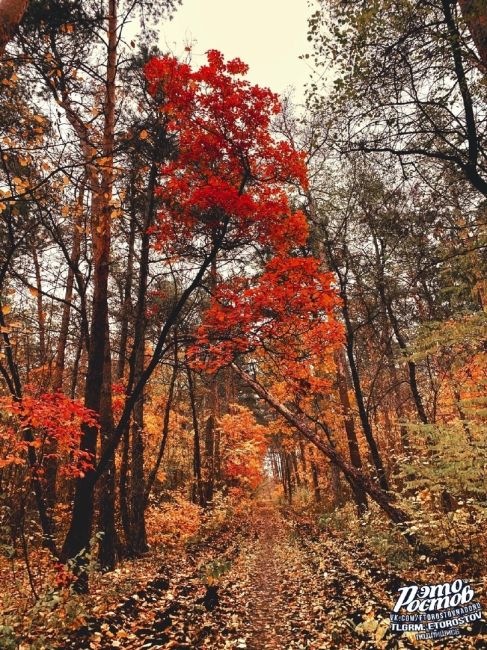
(270, 582)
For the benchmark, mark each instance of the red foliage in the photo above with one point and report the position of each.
(228, 184)
(288, 310)
(55, 419)
(228, 176)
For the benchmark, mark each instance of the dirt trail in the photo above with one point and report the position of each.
(283, 588)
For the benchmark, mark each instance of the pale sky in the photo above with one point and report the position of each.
(268, 35)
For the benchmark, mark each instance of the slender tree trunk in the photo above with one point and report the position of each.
(123, 489)
(60, 356)
(165, 431)
(209, 468)
(355, 458)
(304, 465)
(107, 554)
(127, 308)
(294, 462)
(316, 483)
(41, 320)
(210, 427)
(78, 362)
(337, 489)
(359, 398)
(127, 292)
(138, 536)
(413, 382)
(197, 493)
(80, 531)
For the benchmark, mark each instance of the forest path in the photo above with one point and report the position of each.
(274, 576)
(288, 591)
(280, 586)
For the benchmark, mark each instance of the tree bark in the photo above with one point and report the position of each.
(11, 13)
(382, 498)
(474, 13)
(197, 494)
(80, 531)
(355, 458)
(138, 536)
(60, 356)
(40, 310)
(107, 552)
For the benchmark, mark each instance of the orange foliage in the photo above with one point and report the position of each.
(243, 447)
(288, 311)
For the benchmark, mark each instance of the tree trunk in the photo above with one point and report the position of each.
(382, 498)
(79, 533)
(60, 356)
(413, 382)
(197, 492)
(107, 554)
(474, 13)
(127, 300)
(210, 427)
(355, 458)
(138, 536)
(316, 484)
(359, 398)
(40, 310)
(11, 13)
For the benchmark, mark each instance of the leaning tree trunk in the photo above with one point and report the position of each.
(353, 475)
(359, 398)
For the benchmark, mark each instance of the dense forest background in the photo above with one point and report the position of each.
(211, 299)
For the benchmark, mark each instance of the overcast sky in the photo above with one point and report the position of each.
(268, 35)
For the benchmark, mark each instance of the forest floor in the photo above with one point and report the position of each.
(270, 582)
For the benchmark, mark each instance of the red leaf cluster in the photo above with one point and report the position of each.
(56, 420)
(229, 172)
(288, 310)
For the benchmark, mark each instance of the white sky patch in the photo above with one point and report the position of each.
(268, 35)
